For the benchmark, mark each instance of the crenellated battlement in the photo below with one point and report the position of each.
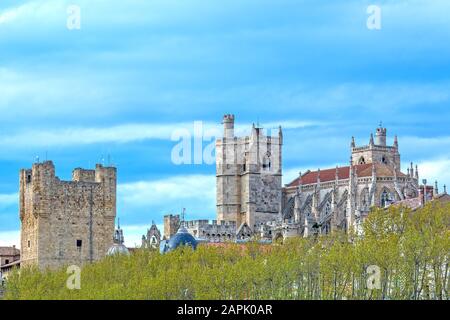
(66, 222)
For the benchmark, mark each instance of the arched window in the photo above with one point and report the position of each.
(308, 209)
(384, 160)
(385, 198)
(361, 160)
(327, 209)
(266, 162)
(365, 198)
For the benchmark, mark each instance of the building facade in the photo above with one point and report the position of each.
(248, 175)
(9, 255)
(340, 198)
(153, 237)
(66, 222)
(251, 202)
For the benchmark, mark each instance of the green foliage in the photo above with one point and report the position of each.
(410, 248)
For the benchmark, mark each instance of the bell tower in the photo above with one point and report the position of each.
(377, 151)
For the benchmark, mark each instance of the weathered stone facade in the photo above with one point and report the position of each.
(340, 198)
(171, 224)
(215, 231)
(249, 173)
(66, 222)
(9, 255)
(252, 203)
(248, 187)
(153, 237)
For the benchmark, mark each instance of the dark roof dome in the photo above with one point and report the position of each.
(181, 238)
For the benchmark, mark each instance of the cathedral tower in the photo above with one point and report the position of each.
(248, 171)
(377, 151)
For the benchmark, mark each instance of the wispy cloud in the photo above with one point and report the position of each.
(143, 199)
(124, 133)
(8, 200)
(199, 187)
(436, 170)
(10, 238)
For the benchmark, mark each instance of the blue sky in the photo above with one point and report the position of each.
(138, 70)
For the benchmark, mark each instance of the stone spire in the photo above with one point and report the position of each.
(417, 173)
(371, 143)
(333, 222)
(299, 188)
(396, 185)
(373, 186)
(297, 205)
(445, 189)
(118, 234)
(436, 190)
(350, 206)
(396, 142)
(280, 134)
(306, 228)
(352, 144)
(316, 197)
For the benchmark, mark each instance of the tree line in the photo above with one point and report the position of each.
(400, 254)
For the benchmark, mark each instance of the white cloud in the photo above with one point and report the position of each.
(420, 143)
(10, 238)
(122, 133)
(435, 170)
(192, 187)
(7, 200)
(145, 200)
(394, 97)
(41, 10)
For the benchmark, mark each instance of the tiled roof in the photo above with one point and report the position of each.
(416, 203)
(9, 251)
(362, 170)
(443, 197)
(413, 203)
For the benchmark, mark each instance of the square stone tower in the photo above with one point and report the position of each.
(248, 175)
(171, 225)
(66, 222)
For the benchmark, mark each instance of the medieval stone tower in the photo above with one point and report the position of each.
(66, 222)
(249, 172)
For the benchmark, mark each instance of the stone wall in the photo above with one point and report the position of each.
(171, 225)
(66, 222)
(216, 231)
